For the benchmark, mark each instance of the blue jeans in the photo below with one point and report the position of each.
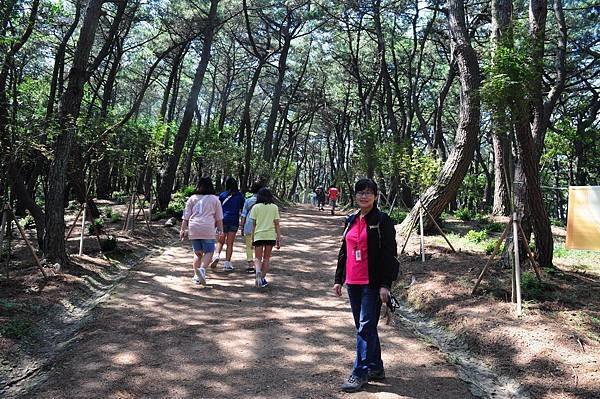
(366, 308)
(203, 245)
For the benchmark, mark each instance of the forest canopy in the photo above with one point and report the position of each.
(481, 106)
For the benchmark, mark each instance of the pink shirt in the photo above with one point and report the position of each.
(357, 267)
(201, 212)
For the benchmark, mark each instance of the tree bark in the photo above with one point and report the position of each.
(70, 103)
(166, 187)
(501, 35)
(453, 172)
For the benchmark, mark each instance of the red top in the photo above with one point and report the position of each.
(333, 193)
(357, 262)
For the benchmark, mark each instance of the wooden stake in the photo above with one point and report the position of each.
(438, 227)
(517, 264)
(144, 214)
(3, 233)
(126, 224)
(75, 222)
(407, 238)
(31, 249)
(82, 230)
(421, 230)
(490, 260)
(133, 200)
(530, 255)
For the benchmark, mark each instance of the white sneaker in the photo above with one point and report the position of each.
(258, 280)
(202, 275)
(214, 262)
(227, 266)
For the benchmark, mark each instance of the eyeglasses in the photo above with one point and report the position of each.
(364, 193)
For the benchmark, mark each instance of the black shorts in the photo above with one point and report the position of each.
(264, 243)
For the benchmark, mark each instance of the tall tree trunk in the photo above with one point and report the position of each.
(70, 104)
(501, 35)
(166, 187)
(276, 100)
(453, 172)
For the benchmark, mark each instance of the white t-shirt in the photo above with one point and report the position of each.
(202, 212)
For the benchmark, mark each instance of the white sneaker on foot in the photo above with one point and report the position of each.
(214, 261)
(202, 275)
(258, 280)
(227, 266)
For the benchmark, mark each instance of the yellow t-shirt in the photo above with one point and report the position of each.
(263, 216)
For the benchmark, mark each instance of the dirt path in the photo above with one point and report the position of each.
(158, 336)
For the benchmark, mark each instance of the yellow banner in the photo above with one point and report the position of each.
(583, 220)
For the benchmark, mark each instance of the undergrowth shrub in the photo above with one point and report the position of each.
(476, 236)
(99, 225)
(464, 214)
(398, 215)
(178, 201)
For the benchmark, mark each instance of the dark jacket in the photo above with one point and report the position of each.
(381, 250)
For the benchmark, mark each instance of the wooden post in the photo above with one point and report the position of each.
(150, 205)
(133, 215)
(75, 222)
(29, 246)
(82, 230)
(126, 223)
(530, 255)
(490, 260)
(438, 227)
(3, 233)
(422, 233)
(144, 214)
(517, 265)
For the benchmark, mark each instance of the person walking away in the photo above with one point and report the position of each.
(332, 195)
(202, 214)
(367, 264)
(266, 233)
(247, 226)
(320, 198)
(232, 202)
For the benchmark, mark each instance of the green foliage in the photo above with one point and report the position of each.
(398, 215)
(508, 74)
(98, 224)
(491, 244)
(17, 328)
(112, 215)
(26, 221)
(464, 214)
(476, 236)
(120, 197)
(532, 287)
(178, 200)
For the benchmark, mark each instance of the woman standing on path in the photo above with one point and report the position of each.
(247, 226)
(367, 264)
(232, 201)
(266, 233)
(202, 214)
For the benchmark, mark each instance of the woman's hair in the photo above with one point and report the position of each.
(231, 185)
(205, 186)
(256, 186)
(264, 196)
(365, 184)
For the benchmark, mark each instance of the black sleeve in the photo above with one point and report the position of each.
(389, 251)
(340, 271)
